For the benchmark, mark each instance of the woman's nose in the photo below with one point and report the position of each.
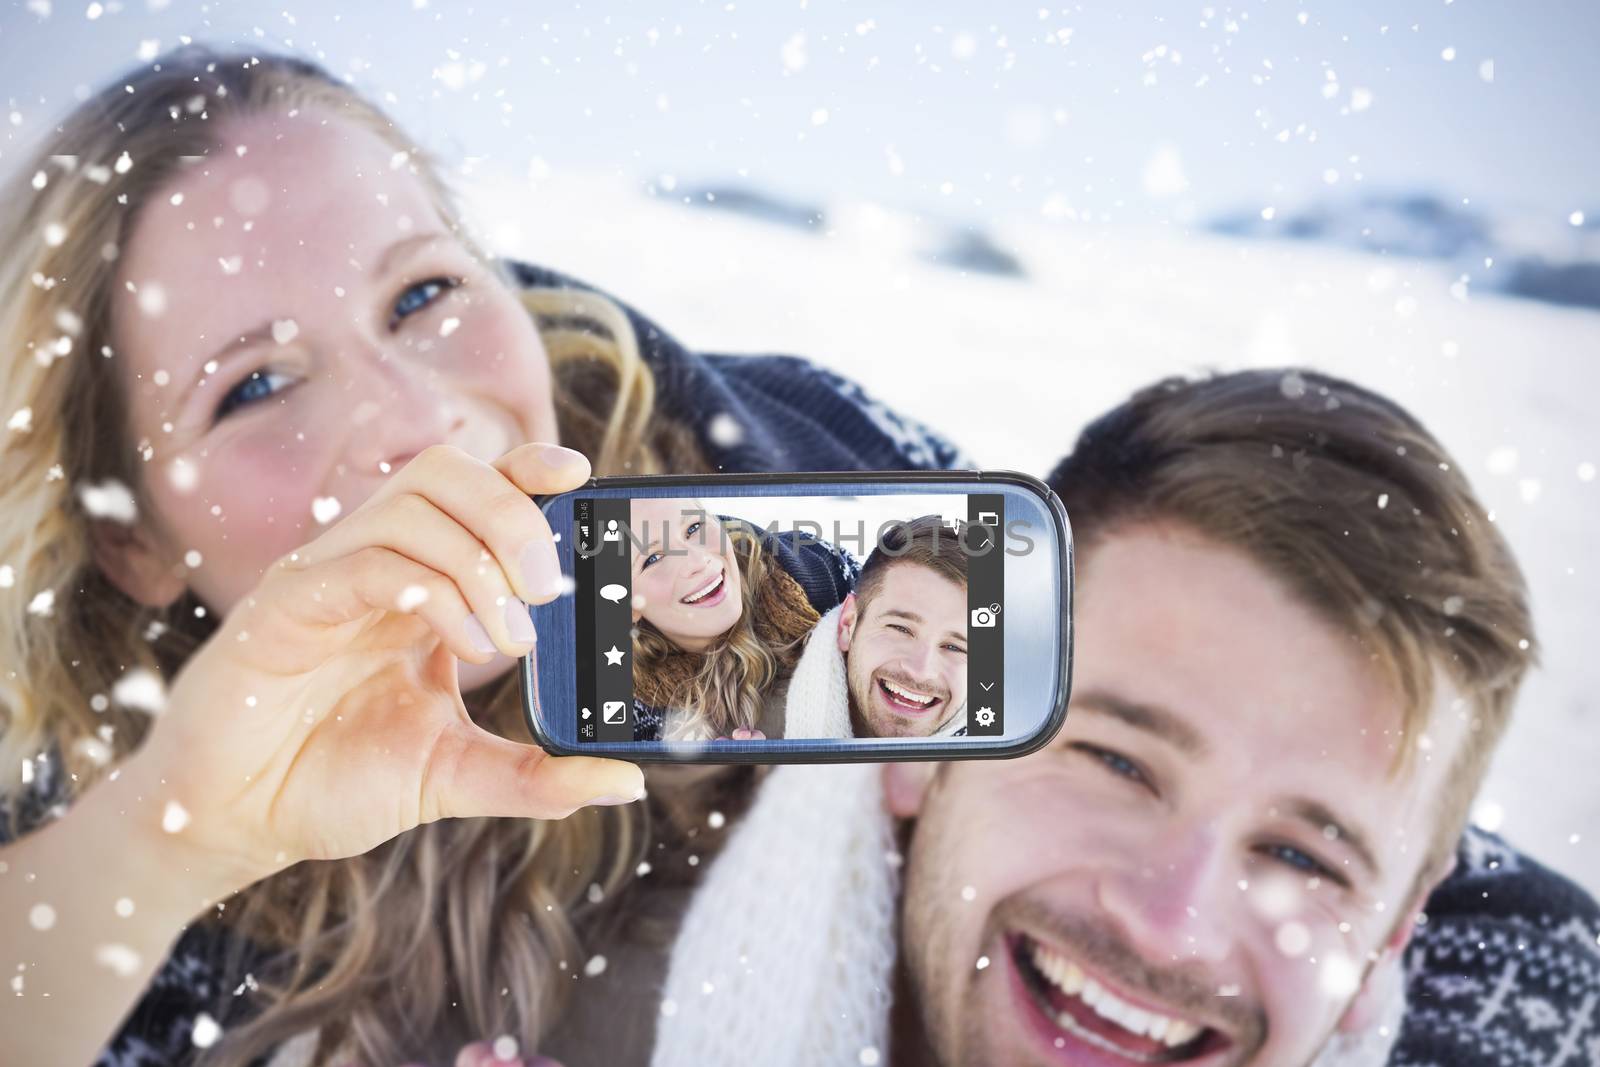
(1168, 897)
(397, 407)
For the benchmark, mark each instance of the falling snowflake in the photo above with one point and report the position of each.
(505, 1048)
(152, 299)
(724, 430)
(206, 1031)
(1292, 939)
(21, 420)
(43, 603)
(41, 917)
(325, 509)
(119, 958)
(174, 818)
(285, 330)
(793, 53)
(141, 690)
(182, 475)
(595, 967)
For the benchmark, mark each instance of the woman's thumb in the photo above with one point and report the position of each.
(472, 773)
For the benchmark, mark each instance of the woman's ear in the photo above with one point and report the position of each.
(134, 562)
(847, 621)
(905, 786)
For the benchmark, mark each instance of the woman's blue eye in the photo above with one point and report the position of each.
(249, 391)
(418, 296)
(651, 558)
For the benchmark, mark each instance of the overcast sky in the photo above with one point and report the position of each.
(1125, 112)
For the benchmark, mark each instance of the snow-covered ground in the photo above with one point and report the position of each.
(1012, 368)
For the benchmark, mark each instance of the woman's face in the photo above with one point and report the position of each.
(293, 321)
(686, 580)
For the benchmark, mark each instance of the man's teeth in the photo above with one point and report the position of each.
(907, 695)
(704, 591)
(1070, 979)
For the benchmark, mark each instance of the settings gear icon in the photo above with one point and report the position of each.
(985, 716)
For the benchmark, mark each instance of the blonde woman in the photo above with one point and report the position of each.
(266, 542)
(721, 608)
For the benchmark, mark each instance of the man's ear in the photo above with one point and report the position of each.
(1367, 1005)
(847, 622)
(131, 560)
(905, 786)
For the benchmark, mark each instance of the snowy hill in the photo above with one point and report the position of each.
(1012, 363)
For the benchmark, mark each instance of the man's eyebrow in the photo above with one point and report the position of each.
(1151, 718)
(1320, 817)
(903, 613)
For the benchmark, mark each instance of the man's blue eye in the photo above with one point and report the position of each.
(246, 392)
(1300, 861)
(418, 296)
(1116, 763)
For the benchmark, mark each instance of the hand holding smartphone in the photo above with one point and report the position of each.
(805, 618)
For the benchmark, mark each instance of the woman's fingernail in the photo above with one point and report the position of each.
(557, 456)
(540, 567)
(519, 623)
(477, 635)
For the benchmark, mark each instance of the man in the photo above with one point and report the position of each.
(1299, 639)
(891, 660)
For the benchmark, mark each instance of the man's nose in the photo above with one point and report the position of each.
(918, 661)
(1168, 897)
(396, 408)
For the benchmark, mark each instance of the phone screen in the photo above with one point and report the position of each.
(704, 618)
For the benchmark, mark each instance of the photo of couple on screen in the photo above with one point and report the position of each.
(764, 626)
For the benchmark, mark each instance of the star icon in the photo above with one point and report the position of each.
(613, 656)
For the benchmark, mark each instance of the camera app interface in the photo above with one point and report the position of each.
(764, 617)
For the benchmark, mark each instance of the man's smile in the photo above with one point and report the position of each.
(1082, 1017)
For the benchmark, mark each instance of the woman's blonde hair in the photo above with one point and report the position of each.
(727, 690)
(449, 933)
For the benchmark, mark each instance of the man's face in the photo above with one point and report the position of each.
(906, 653)
(1202, 864)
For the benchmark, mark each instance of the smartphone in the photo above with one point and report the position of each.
(815, 617)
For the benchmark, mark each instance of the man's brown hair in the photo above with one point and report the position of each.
(1344, 496)
(924, 541)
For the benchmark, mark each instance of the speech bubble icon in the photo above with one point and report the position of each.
(613, 592)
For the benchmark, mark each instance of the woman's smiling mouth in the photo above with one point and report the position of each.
(710, 593)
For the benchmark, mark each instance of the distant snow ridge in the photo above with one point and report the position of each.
(1552, 260)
